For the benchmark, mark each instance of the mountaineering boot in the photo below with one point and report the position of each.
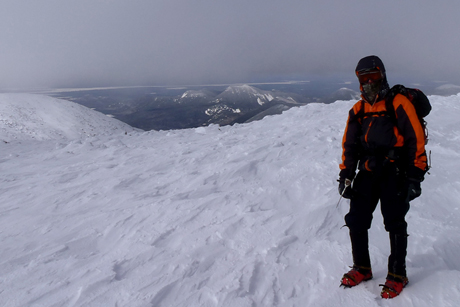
(360, 248)
(355, 276)
(361, 270)
(394, 285)
(396, 278)
(397, 259)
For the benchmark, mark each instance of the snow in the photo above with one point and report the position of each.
(193, 94)
(25, 116)
(448, 87)
(246, 90)
(241, 215)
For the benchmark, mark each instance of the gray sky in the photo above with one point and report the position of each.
(58, 43)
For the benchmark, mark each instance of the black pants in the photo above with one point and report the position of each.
(388, 186)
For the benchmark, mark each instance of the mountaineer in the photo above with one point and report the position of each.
(388, 150)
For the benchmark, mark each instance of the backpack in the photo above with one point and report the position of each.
(416, 97)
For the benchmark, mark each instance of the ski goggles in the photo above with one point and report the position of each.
(369, 76)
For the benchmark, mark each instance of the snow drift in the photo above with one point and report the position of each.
(234, 216)
(37, 117)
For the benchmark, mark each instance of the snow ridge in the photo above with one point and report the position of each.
(27, 116)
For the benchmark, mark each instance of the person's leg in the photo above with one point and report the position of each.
(394, 209)
(360, 249)
(397, 258)
(359, 218)
(397, 277)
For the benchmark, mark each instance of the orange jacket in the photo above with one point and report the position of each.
(370, 135)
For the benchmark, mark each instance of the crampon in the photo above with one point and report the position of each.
(393, 286)
(355, 276)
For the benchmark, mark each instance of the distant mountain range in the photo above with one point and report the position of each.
(342, 94)
(194, 108)
(202, 107)
(180, 108)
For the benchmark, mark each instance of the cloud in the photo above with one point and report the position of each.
(98, 43)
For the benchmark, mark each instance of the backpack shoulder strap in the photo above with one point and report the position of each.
(360, 114)
(395, 90)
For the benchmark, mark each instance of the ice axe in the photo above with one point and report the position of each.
(347, 184)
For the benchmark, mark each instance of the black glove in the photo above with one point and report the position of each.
(345, 189)
(414, 177)
(414, 189)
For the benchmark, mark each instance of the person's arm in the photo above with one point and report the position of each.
(414, 137)
(351, 146)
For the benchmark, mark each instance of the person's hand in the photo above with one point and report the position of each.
(345, 189)
(414, 190)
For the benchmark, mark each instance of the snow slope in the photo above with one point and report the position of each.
(234, 216)
(37, 117)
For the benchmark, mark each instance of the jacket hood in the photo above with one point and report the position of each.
(370, 63)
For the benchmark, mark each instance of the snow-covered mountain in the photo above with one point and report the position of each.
(342, 94)
(233, 216)
(192, 95)
(447, 89)
(238, 94)
(241, 103)
(191, 108)
(37, 117)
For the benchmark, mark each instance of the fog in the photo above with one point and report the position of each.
(55, 43)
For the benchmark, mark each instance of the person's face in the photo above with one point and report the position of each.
(372, 89)
(371, 82)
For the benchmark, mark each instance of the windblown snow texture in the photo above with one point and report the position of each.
(95, 213)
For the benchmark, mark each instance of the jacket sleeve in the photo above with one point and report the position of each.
(351, 146)
(414, 137)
